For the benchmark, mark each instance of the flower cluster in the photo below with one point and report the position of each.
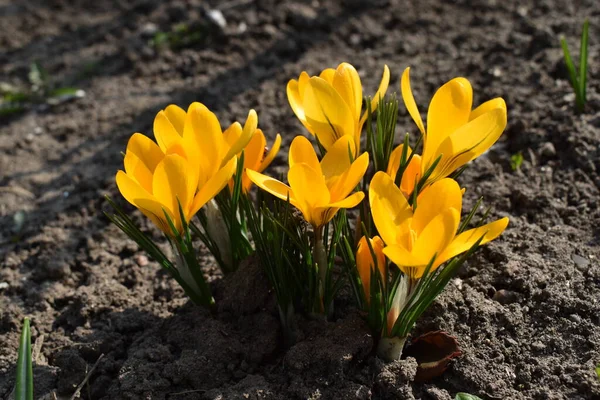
(409, 238)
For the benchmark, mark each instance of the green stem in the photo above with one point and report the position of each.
(194, 283)
(288, 325)
(320, 258)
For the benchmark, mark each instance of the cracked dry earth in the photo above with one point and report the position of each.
(525, 309)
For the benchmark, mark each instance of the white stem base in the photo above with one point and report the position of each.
(390, 349)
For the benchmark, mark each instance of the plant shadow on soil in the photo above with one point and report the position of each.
(524, 308)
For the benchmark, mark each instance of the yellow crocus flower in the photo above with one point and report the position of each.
(414, 238)
(190, 164)
(197, 136)
(330, 105)
(411, 174)
(454, 131)
(365, 263)
(256, 156)
(318, 189)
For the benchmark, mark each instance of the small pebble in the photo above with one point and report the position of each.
(538, 345)
(503, 296)
(149, 29)
(548, 150)
(141, 260)
(575, 318)
(217, 17)
(580, 261)
(3, 285)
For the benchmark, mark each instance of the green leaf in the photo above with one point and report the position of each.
(24, 381)
(11, 109)
(570, 65)
(598, 370)
(64, 94)
(466, 396)
(516, 160)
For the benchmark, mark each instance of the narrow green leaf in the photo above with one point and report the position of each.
(469, 217)
(24, 381)
(570, 65)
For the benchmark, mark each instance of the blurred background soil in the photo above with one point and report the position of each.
(525, 309)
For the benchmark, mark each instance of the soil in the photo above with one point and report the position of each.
(525, 309)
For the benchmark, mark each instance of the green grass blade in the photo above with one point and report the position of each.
(569, 64)
(583, 62)
(24, 381)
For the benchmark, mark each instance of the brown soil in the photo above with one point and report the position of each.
(525, 309)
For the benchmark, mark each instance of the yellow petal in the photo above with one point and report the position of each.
(326, 112)
(347, 83)
(204, 140)
(435, 200)
(293, 95)
(404, 259)
(308, 185)
(394, 162)
(302, 151)
(137, 170)
(319, 216)
(196, 105)
(233, 133)
(213, 186)
(165, 133)
(328, 75)
(302, 85)
(379, 95)
(337, 159)
(411, 174)
(467, 239)
(448, 111)
(249, 128)
(489, 105)
(409, 100)
(130, 189)
(173, 182)
(470, 141)
(437, 235)
(176, 116)
(271, 154)
(273, 186)
(349, 202)
(348, 181)
(389, 207)
(155, 211)
(145, 149)
(137, 196)
(255, 150)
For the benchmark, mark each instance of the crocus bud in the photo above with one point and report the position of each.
(365, 262)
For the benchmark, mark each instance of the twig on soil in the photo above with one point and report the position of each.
(87, 377)
(233, 4)
(185, 392)
(37, 349)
